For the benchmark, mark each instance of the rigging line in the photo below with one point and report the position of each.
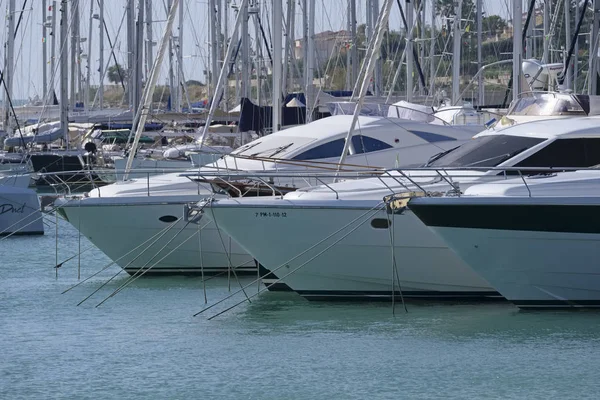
(136, 277)
(130, 262)
(230, 266)
(116, 260)
(395, 274)
(414, 49)
(573, 42)
(112, 52)
(202, 263)
(58, 265)
(376, 208)
(303, 264)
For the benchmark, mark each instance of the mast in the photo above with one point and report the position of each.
(172, 88)
(310, 59)
(142, 112)
(456, 51)
(480, 88)
(223, 75)
(214, 50)
(432, 50)
(179, 49)
(370, 60)
(101, 55)
(377, 71)
(64, 71)
(44, 52)
(545, 56)
(353, 49)
(74, 52)
(149, 38)
(287, 45)
(277, 62)
(245, 61)
(409, 50)
(130, 52)
(222, 18)
(517, 46)
(53, 71)
(139, 56)
(568, 67)
(576, 55)
(9, 65)
(89, 59)
(258, 53)
(593, 61)
(422, 43)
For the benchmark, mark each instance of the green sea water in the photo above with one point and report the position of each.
(144, 342)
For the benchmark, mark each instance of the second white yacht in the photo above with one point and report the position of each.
(336, 241)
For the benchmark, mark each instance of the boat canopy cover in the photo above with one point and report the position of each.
(46, 137)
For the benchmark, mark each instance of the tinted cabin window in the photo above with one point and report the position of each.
(327, 150)
(566, 153)
(431, 137)
(486, 151)
(366, 144)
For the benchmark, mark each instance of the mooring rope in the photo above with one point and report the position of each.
(376, 208)
(300, 266)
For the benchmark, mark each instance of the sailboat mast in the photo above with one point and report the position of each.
(375, 47)
(74, 51)
(480, 88)
(353, 49)
(568, 68)
(149, 38)
(245, 61)
(409, 50)
(50, 94)
(517, 46)
(9, 64)
(44, 51)
(222, 76)
(179, 50)
(142, 112)
(64, 71)
(139, 56)
(456, 51)
(101, 55)
(277, 66)
(89, 59)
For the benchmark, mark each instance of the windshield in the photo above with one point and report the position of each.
(548, 104)
(485, 151)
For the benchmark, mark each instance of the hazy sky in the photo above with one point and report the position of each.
(331, 15)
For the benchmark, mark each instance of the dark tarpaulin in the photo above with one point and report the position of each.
(258, 118)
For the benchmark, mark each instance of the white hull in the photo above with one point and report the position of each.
(20, 212)
(117, 229)
(359, 266)
(533, 269)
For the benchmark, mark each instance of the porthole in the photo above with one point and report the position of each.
(168, 218)
(380, 223)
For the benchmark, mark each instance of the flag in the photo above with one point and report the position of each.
(468, 28)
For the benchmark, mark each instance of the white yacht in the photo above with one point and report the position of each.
(295, 236)
(536, 241)
(123, 218)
